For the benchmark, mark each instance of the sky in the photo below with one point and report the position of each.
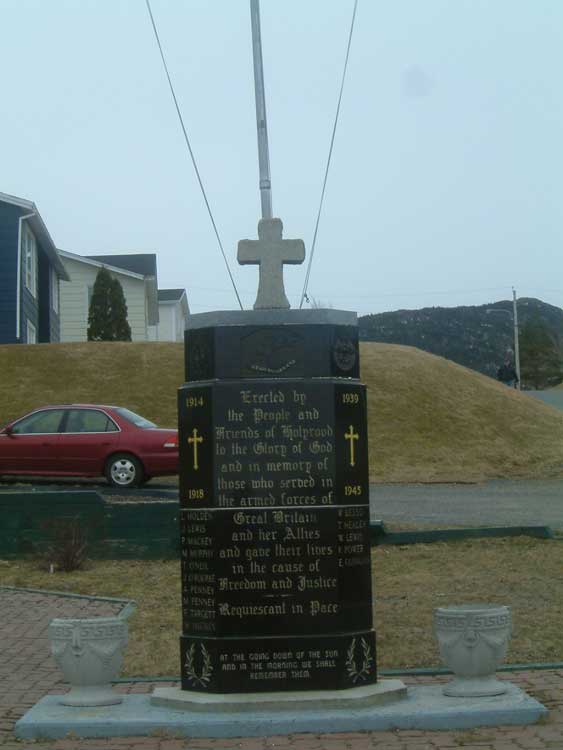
(446, 181)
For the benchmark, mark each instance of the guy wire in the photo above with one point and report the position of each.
(191, 152)
(313, 245)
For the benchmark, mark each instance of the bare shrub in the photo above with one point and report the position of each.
(67, 544)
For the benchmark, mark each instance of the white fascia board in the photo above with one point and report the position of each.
(40, 230)
(97, 264)
(15, 201)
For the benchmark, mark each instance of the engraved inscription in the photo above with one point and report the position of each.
(244, 569)
(275, 446)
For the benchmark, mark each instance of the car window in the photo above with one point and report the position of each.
(39, 423)
(89, 420)
(130, 416)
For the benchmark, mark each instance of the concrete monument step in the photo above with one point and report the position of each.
(424, 707)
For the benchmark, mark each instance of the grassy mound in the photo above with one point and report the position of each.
(433, 420)
(429, 419)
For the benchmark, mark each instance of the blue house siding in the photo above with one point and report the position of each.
(9, 225)
(36, 309)
(49, 325)
(54, 327)
(30, 311)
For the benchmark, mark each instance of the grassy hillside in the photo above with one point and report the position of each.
(433, 420)
(142, 376)
(430, 419)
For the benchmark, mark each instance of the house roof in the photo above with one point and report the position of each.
(138, 265)
(33, 217)
(170, 295)
(141, 263)
(98, 264)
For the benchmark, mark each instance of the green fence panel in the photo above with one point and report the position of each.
(150, 530)
(379, 534)
(141, 531)
(124, 530)
(26, 517)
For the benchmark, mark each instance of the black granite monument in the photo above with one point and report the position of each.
(276, 575)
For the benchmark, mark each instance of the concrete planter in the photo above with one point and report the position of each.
(473, 640)
(90, 654)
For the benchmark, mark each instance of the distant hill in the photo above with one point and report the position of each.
(429, 419)
(469, 336)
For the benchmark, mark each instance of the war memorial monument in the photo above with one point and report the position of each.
(277, 605)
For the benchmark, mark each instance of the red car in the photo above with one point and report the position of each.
(88, 440)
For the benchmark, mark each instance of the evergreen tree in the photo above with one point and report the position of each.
(107, 316)
(541, 363)
(99, 313)
(121, 328)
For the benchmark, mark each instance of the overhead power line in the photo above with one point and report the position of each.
(191, 152)
(313, 244)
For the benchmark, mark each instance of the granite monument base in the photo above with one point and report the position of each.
(384, 691)
(424, 707)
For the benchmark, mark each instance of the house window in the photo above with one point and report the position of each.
(31, 333)
(55, 291)
(30, 260)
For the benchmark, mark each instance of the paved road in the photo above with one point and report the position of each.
(498, 503)
(553, 396)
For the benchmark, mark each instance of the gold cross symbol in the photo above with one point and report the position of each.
(351, 436)
(194, 440)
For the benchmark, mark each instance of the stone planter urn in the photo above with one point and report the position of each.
(90, 654)
(473, 640)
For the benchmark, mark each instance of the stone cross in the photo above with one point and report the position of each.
(270, 253)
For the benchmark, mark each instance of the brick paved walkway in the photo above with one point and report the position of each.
(27, 672)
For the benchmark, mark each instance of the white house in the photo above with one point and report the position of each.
(173, 311)
(137, 275)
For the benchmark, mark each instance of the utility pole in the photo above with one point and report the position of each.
(516, 336)
(514, 316)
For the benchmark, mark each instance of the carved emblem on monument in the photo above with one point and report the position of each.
(344, 353)
(199, 361)
(359, 671)
(194, 440)
(352, 437)
(204, 677)
(271, 351)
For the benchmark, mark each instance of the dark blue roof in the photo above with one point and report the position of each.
(141, 263)
(168, 295)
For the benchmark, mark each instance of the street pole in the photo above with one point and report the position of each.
(516, 337)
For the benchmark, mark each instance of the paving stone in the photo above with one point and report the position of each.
(27, 672)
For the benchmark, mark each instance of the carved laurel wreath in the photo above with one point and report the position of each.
(356, 674)
(206, 668)
(260, 368)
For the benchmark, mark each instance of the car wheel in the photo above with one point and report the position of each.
(124, 470)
